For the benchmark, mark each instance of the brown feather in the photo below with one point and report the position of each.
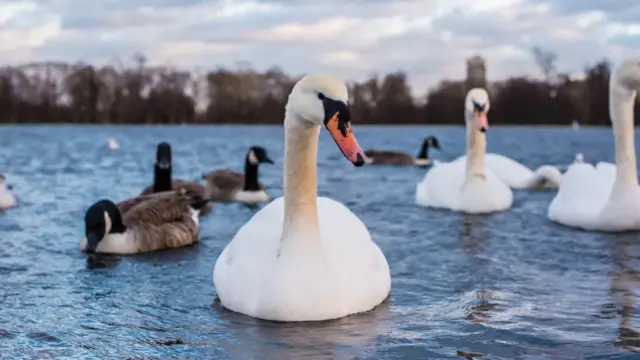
(222, 184)
(389, 157)
(160, 220)
(191, 186)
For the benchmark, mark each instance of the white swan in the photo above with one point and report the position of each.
(606, 197)
(8, 197)
(304, 258)
(466, 184)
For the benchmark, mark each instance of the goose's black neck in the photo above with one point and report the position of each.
(424, 151)
(162, 178)
(250, 176)
(117, 225)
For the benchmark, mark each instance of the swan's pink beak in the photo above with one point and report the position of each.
(481, 121)
(344, 138)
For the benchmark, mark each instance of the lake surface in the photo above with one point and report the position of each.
(504, 286)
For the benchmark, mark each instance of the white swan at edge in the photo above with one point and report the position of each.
(467, 185)
(606, 197)
(304, 257)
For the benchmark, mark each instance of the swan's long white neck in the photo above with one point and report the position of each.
(476, 148)
(300, 179)
(621, 112)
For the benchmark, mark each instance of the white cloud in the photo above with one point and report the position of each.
(427, 38)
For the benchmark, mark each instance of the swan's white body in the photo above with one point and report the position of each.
(466, 184)
(606, 197)
(303, 258)
(446, 186)
(518, 176)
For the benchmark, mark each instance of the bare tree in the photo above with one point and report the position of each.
(139, 93)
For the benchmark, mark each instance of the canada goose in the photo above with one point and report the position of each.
(386, 157)
(8, 197)
(146, 223)
(163, 182)
(228, 186)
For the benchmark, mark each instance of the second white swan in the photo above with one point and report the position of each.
(467, 185)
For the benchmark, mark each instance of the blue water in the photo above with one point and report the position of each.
(504, 286)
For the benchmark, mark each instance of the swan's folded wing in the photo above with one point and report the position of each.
(581, 196)
(159, 209)
(511, 172)
(607, 173)
(441, 186)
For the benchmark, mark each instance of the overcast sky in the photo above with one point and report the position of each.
(429, 39)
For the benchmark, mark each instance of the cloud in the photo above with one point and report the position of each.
(428, 39)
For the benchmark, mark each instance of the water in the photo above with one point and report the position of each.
(505, 286)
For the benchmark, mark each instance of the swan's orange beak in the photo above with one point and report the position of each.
(341, 133)
(481, 121)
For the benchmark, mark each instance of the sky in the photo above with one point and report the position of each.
(428, 39)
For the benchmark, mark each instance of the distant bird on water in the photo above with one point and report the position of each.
(113, 144)
(8, 197)
(389, 157)
(575, 125)
(227, 186)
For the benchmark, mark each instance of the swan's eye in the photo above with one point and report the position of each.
(321, 96)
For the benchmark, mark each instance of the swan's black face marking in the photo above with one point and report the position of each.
(337, 119)
(478, 107)
(333, 107)
(480, 111)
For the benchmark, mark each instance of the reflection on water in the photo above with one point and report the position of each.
(346, 338)
(474, 239)
(625, 279)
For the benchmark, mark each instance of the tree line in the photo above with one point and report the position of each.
(53, 92)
